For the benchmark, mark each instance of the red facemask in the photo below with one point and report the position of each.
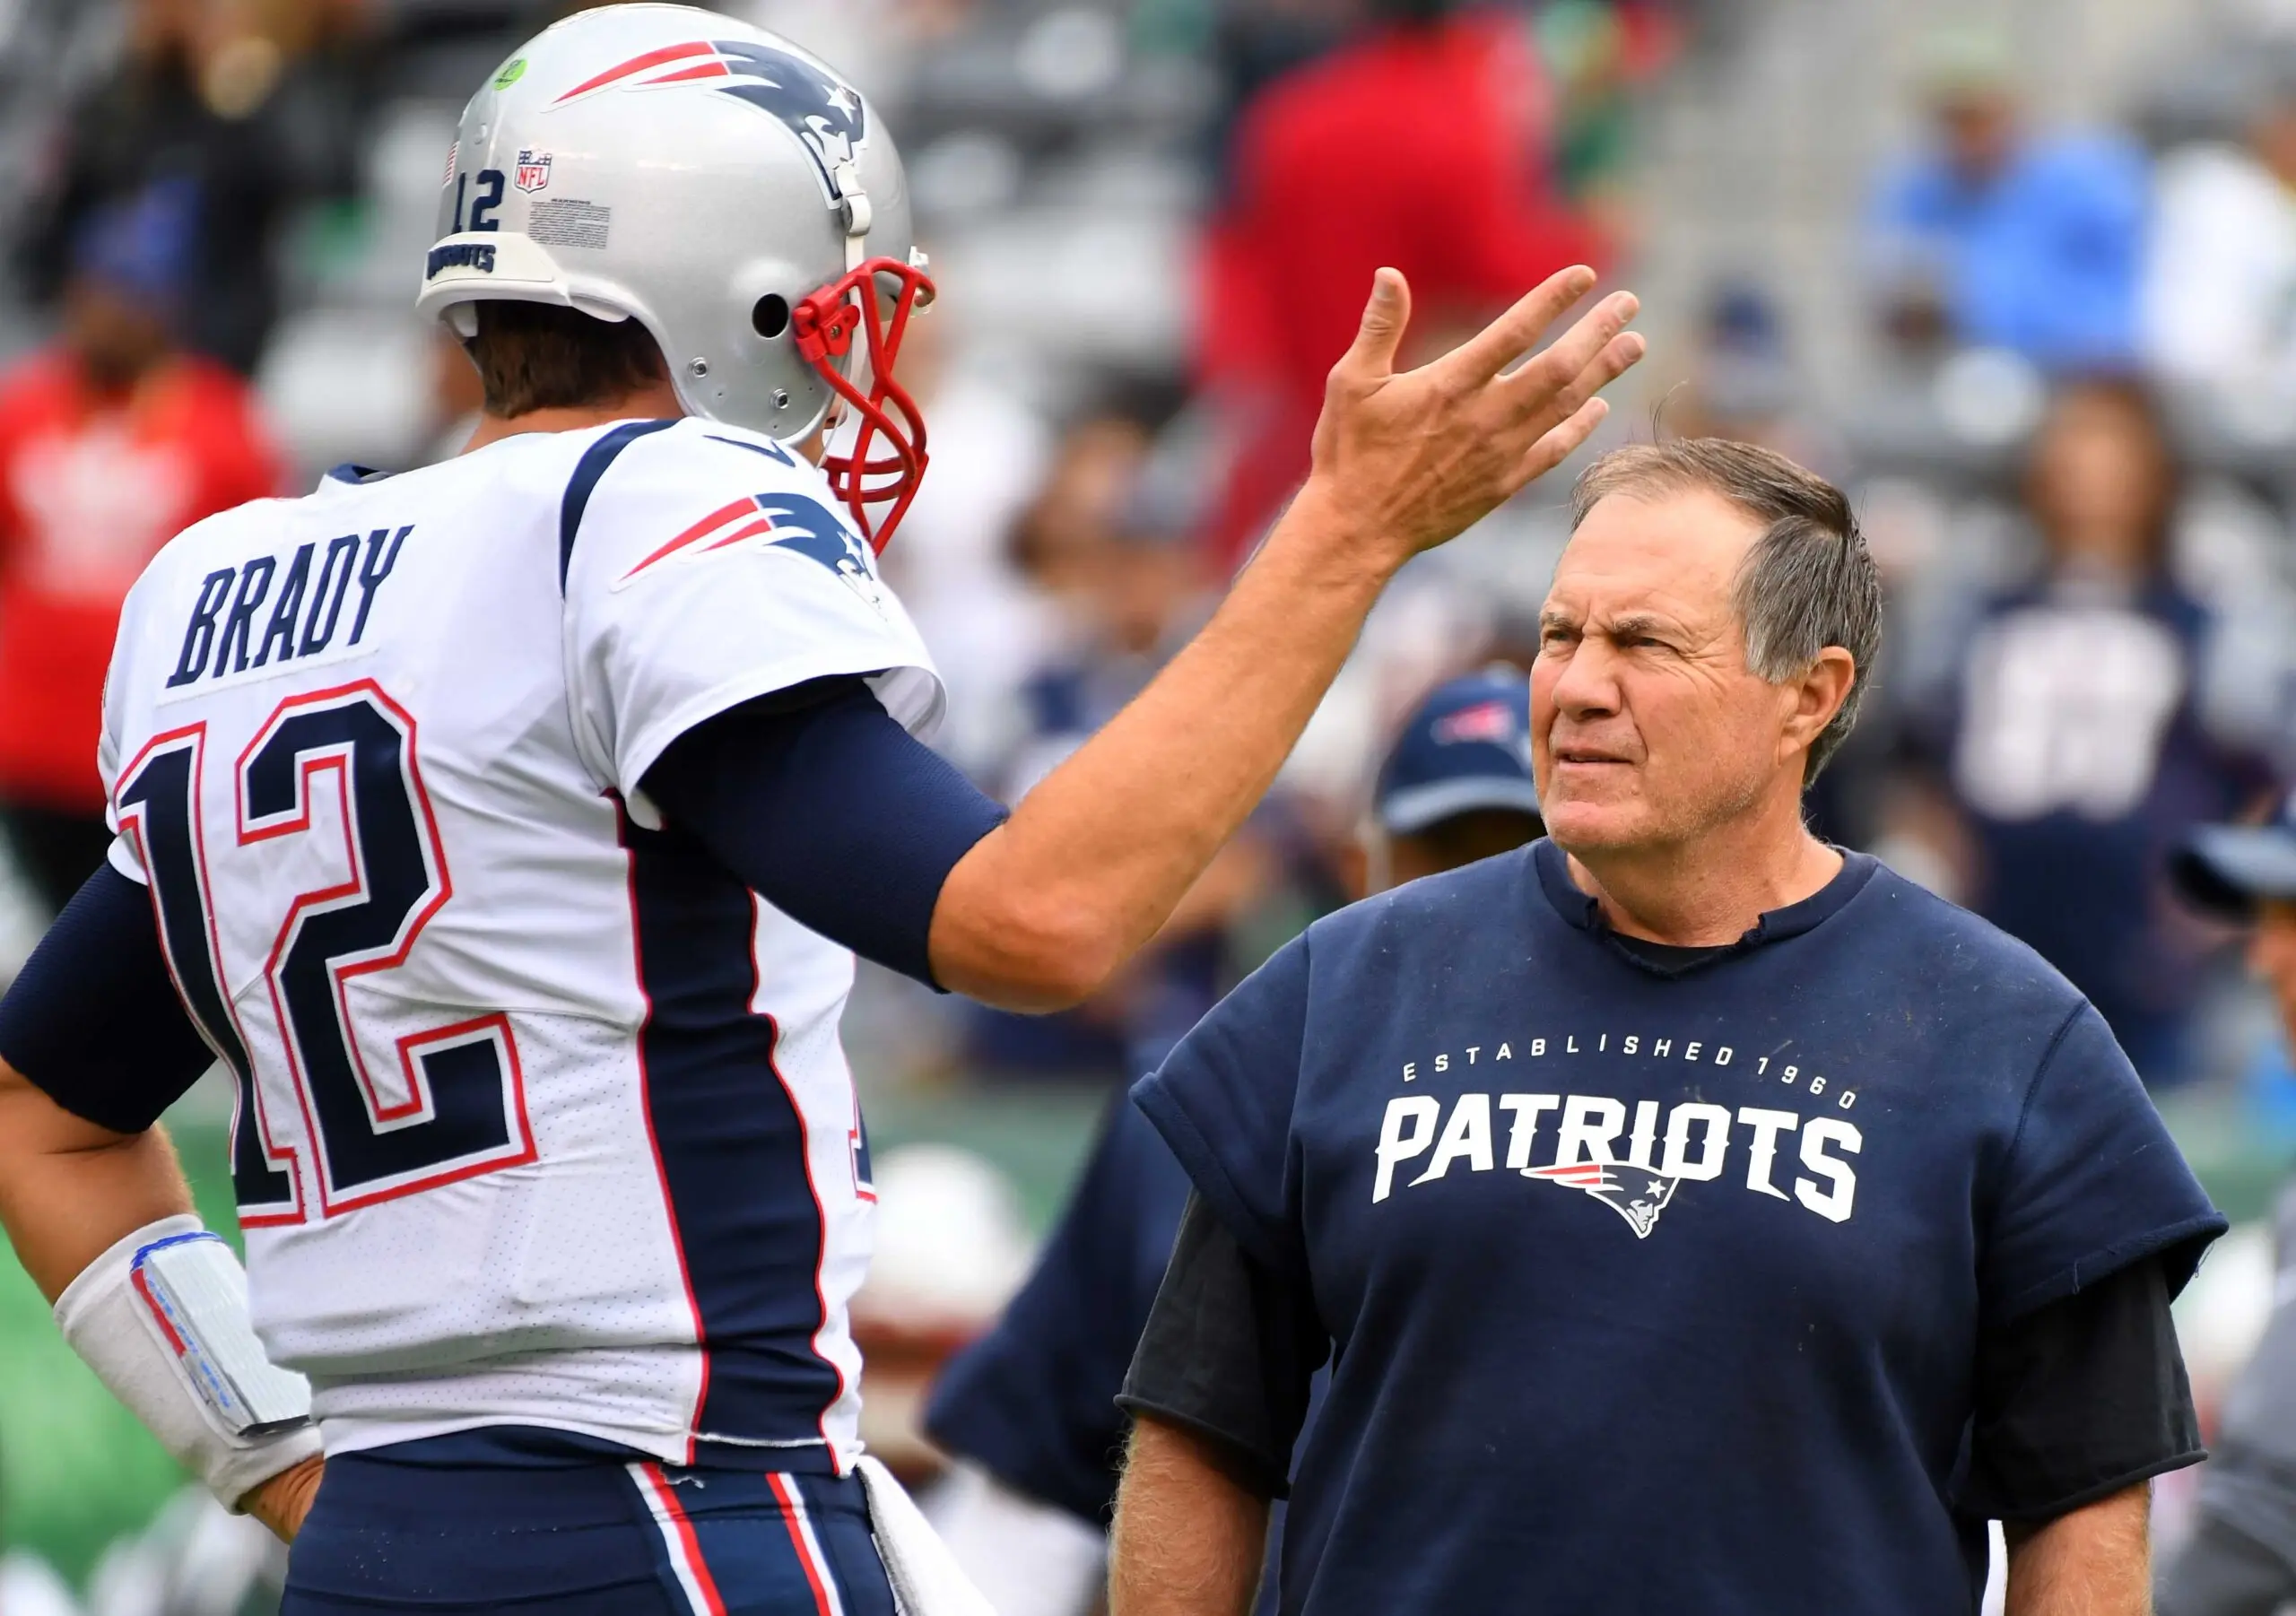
(825, 322)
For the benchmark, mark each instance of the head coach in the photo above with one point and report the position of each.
(1696, 1217)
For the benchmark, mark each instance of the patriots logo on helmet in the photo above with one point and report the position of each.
(782, 521)
(821, 109)
(1636, 1193)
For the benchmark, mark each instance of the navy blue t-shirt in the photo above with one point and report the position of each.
(1652, 1290)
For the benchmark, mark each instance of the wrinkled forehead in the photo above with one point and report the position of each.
(1674, 553)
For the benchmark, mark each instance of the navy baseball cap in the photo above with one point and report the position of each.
(1467, 747)
(141, 247)
(2228, 869)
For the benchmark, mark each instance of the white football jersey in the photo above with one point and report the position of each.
(543, 1115)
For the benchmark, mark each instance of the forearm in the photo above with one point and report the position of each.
(69, 1189)
(1040, 911)
(1102, 850)
(1189, 1541)
(2095, 1562)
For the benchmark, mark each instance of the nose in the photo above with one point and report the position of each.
(1585, 686)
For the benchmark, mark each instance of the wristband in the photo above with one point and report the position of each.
(162, 1316)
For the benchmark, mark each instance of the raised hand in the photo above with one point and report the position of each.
(1406, 460)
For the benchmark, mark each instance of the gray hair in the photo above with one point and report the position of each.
(1807, 583)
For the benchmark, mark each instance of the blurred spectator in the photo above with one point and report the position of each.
(2006, 237)
(1599, 52)
(1456, 783)
(1085, 488)
(2074, 745)
(987, 624)
(207, 99)
(2240, 1560)
(1112, 537)
(1253, 44)
(111, 441)
(2220, 291)
(1743, 383)
(1423, 144)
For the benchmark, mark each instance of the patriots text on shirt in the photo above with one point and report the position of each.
(1665, 1147)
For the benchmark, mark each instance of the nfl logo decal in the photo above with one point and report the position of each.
(534, 171)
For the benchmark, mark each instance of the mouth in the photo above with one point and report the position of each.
(1588, 757)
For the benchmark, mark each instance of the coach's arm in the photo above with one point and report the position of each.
(1044, 908)
(1189, 1539)
(70, 1190)
(1189, 1536)
(2091, 1561)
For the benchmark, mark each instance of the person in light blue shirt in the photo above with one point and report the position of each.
(2009, 237)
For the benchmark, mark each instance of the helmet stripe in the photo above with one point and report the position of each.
(636, 64)
(703, 70)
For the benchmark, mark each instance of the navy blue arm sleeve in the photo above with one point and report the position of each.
(93, 1020)
(830, 812)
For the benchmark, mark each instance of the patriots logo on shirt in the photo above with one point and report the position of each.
(782, 521)
(1636, 1193)
(819, 109)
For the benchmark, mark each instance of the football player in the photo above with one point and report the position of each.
(508, 829)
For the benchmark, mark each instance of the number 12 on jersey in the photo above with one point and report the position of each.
(460, 1108)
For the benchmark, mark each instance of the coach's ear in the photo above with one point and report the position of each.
(1809, 701)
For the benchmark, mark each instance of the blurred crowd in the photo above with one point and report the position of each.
(2072, 437)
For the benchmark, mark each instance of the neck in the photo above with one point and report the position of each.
(1711, 891)
(115, 384)
(657, 402)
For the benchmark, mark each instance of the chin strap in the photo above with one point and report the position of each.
(853, 202)
(875, 296)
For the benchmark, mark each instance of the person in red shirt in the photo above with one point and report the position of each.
(1424, 144)
(112, 440)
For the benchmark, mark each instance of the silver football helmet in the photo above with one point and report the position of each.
(676, 167)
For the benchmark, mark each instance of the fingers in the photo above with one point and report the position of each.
(1593, 348)
(1615, 358)
(1372, 355)
(1560, 442)
(1511, 335)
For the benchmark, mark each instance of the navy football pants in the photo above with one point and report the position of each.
(601, 1538)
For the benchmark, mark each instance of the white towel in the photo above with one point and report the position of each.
(926, 1576)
